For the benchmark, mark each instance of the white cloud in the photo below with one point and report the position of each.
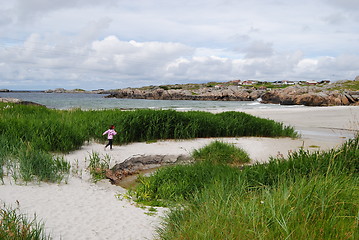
(87, 43)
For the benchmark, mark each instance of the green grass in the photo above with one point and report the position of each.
(46, 131)
(17, 226)
(98, 166)
(346, 85)
(307, 196)
(315, 208)
(181, 182)
(219, 152)
(61, 131)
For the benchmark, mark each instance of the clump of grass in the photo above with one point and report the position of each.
(317, 208)
(178, 183)
(219, 152)
(29, 164)
(98, 166)
(344, 160)
(16, 226)
(41, 166)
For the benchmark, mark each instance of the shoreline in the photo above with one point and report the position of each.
(80, 209)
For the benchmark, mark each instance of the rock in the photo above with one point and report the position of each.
(10, 100)
(271, 97)
(19, 101)
(311, 99)
(349, 97)
(344, 100)
(4, 90)
(137, 163)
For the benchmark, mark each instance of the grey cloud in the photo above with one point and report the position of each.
(5, 17)
(93, 29)
(351, 5)
(335, 18)
(31, 9)
(259, 49)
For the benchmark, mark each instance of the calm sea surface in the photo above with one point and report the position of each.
(97, 101)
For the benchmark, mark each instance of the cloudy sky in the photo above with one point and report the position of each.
(109, 44)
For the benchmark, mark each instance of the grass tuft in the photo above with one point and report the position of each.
(219, 152)
(98, 166)
(17, 226)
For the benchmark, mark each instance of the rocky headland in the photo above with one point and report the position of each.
(230, 93)
(335, 94)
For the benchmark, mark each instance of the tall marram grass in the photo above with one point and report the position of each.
(181, 182)
(315, 208)
(55, 130)
(47, 131)
(307, 196)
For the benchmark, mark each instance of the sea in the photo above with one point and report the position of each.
(90, 101)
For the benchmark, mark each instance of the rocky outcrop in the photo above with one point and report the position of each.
(19, 101)
(62, 90)
(138, 163)
(204, 94)
(309, 96)
(294, 95)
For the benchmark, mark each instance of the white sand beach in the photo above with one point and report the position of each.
(81, 209)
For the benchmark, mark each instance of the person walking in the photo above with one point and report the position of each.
(110, 133)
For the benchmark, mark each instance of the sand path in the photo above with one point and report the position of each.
(81, 209)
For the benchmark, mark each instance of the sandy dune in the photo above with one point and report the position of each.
(80, 209)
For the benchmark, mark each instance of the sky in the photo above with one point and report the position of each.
(110, 44)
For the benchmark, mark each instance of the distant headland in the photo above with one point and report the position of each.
(308, 93)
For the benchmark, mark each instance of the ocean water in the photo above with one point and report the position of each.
(98, 101)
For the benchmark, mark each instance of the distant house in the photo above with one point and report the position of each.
(277, 82)
(286, 82)
(311, 82)
(324, 82)
(237, 82)
(249, 82)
